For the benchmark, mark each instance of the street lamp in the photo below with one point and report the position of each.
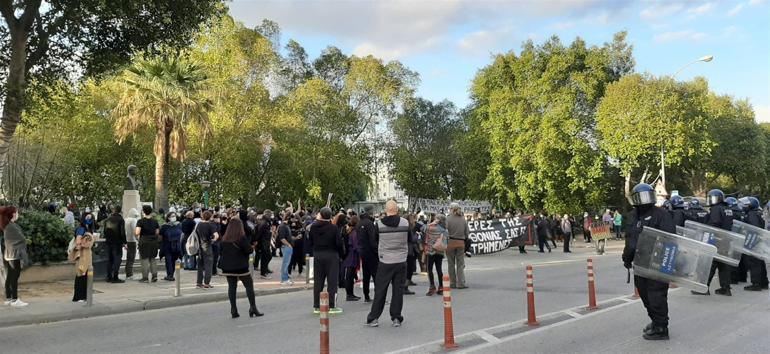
(205, 185)
(704, 59)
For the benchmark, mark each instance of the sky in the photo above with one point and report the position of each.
(448, 41)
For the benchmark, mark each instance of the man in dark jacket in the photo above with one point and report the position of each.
(757, 267)
(722, 217)
(264, 236)
(543, 232)
(114, 239)
(654, 293)
(367, 248)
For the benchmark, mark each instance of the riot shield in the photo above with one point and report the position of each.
(668, 257)
(728, 243)
(757, 242)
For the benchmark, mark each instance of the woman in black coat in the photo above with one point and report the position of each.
(234, 262)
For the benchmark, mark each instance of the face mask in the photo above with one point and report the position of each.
(172, 219)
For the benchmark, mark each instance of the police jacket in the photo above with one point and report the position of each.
(650, 216)
(698, 215)
(720, 216)
(753, 218)
(678, 216)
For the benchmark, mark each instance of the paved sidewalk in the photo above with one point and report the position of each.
(51, 302)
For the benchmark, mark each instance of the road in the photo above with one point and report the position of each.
(496, 297)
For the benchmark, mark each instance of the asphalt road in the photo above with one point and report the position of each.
(496, 296)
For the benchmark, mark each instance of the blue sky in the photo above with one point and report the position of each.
(447, 41)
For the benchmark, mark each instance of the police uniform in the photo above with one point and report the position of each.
(697, 214)
(678, 216)
(654, 293)
(722, 217)
(757, 266)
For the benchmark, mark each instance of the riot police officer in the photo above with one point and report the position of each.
(654, 293)
(677, 210)
(696, 212)
(737, 208)
(722, 217)
(756, 266)
(739, 273)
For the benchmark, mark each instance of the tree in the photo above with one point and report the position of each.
(52, 39)
(538, 111)
(164, 94)
(423, 156)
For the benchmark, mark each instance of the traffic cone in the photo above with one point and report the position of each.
(591, 287)
(449, 334)
(531, 318)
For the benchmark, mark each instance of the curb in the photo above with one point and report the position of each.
(129, 305)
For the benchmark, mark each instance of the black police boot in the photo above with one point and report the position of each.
(723, 291)
(764, 287)
(656, 333)
(648, 329)
(753, 287)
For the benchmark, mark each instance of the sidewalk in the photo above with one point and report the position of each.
(52, 302)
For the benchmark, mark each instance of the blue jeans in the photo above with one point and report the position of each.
(286, 251)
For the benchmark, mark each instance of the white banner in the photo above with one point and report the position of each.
(436, 206)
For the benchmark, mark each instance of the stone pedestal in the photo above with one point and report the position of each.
(131, 200)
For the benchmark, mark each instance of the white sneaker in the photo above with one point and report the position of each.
(266, 277)
(288, 282)
(8, 302)
(18, 303)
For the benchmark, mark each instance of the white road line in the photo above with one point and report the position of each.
(572, 313)
(487, 337)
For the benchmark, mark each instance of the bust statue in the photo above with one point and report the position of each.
(131, 183)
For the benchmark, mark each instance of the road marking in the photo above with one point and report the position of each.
(572, 313)
(486, 336)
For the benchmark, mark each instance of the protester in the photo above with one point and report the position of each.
(351, 259)
(617, 222)
(188, 225)
(148, 232)
(286, 240)
(130, 226)
(236, 248)
(82, 256)
(220, 225)
(587, 227)
(435, 232)
(68, 217)
(115, 240)
(207, 233)
(458, 231)
(367, 248)
(263, 243)
(327, 245)
(14, 254)
(170, 246)
(393, 247)
(412, 254)
(566, 228)
(543, 233)
(298, 254)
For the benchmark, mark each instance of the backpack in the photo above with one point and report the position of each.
(193, 244)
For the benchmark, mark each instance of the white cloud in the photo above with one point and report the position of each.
(756, 2)
(675, 36)
(400, 28)
(702, 9)
(660, 10)
(560, 26)
(484, 41)
(735, 10)
(762, 113)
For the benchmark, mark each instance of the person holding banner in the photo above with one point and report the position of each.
(654, 293)
(455, 253)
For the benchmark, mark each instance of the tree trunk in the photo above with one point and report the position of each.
(161, 167)
(14, 97)
(627, 189)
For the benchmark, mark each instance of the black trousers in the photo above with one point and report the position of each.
(725, 274)
(350, 280)
(654, 295)
(232, 285)
(13, 272)
(264, 258)
(114, 258)
(587, 235)
(567, 239)
(758, 271)
(543, 241)
(435, 260)
(81, 288)
(411, 266)
(369, 269)
(741, 272)
(326, 269)
(387, 275)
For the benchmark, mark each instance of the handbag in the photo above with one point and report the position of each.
(193, 244)
(440, 244)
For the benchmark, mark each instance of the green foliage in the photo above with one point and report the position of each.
(47, 236)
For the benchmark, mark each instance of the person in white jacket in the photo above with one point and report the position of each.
(131, 218)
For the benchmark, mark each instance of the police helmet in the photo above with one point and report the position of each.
(754, 204)
(714, 197)
(667, 204)
(643, 194)
(732, 203)
(745, 203)
(677, 201)
(694, 203)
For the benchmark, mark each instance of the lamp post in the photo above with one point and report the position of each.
(704, 59)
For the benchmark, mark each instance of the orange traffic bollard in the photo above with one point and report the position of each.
(531, 318)
(324, 323)
(591, 288)
(449, 333)
(636, 293)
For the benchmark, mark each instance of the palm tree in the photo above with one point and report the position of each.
(165, 94)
